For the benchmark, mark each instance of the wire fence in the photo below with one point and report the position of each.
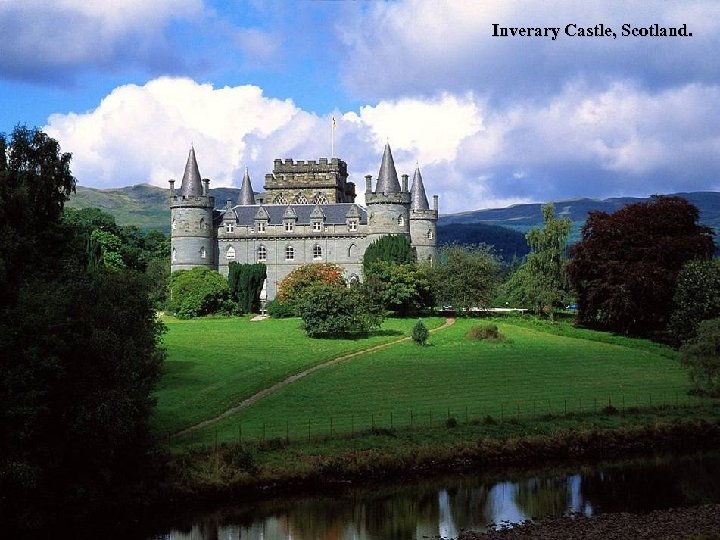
(295, 427)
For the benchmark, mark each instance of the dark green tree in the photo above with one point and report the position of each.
(402, 287)
(245, 282)
(79, 355)
(465, 277)
(541, 282)
(701, 355)
(420, 333)
(392, 249)
(331, 311)
(625, 267)
(697, 298)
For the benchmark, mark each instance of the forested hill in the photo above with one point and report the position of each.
(146, 207)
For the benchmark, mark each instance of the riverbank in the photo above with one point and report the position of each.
(698, 522)
(276, 467)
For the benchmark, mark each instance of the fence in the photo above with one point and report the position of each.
(323, 427)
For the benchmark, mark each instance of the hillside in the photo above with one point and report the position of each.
(146, 207)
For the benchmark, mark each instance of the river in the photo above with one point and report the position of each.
(442, 507)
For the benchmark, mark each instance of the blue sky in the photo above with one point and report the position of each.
(127, 86)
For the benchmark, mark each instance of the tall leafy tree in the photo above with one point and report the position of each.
(625, 267)
(697, 298)
(402, 288)
(392, 249)
(465, 277)
(541, 281)
(245, 282)
(79, 354)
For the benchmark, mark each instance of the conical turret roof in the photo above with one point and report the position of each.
(191, 182)
(418, 199)
(246, 197)
(387, 177)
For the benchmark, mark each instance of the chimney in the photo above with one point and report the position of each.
(435, 203)
(368, 183)
(206, 186)
(404, 183)
(172, 187)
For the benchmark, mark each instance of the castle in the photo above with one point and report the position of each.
(306, 214)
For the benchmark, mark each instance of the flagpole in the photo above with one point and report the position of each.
(332, 137)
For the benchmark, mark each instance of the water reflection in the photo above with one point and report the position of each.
(442, 508)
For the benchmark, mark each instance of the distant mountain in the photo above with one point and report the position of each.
(146, 206)
(522, 217)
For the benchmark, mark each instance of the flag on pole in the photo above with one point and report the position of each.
(334, 125)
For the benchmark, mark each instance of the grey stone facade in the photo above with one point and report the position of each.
(306, 215)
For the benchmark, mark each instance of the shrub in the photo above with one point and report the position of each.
(701, 355)
(609, 410)
(292, 288)
(488, 332)
(451, 422)
(278, 309)
(331, 311)
(198, 292)
(420, 333)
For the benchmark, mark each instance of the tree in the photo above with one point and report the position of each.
(392, 249)
(198, 292)
(420, 333)
(541, 281)
(701, 355)
(625, 267)
(697, 298)
(465, 277)
(245, 282)
(79, 354)
(401, 287)
(292, 288)
(331, 311)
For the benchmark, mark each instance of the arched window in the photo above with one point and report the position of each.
(320, 199)
(352, 251)
(401, 220)
(353, 279)
(174, 255)
(203, 253)
(430, 234)
(261, 253)
(230, 254)
(174, 224)
(301, 199)
(280, 199)
(289, 253)
(202, 224)
(317, 252)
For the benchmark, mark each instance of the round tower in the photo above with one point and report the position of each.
(423, 221)
(191, 218)
(389, 205)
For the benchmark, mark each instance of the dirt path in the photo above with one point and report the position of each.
(292, 378)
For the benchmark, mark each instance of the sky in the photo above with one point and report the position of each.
(129, 86)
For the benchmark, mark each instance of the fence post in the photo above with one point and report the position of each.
(240, 433)
(331, 427)
(352, 424)
(263, 431)
(430, 418)
(391, 420)
(372, 421)
(287, 430)
(411, 420)
(518, 411)
(565, 404)
(502, 412)
(466, 414)
(308, 429)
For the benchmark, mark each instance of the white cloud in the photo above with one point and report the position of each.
(583, 141)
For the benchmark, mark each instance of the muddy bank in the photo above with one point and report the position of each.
(699, 522)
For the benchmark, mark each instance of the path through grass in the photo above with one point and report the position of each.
(532, 373)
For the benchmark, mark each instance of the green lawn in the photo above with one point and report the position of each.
(534, 372)
(214, 364)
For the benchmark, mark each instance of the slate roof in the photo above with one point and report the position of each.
(246, 195)
(335, 213)
(387, 181)
(191, 181)
(418, 199)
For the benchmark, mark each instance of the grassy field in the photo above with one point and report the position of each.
(214, 364)
(539, 369)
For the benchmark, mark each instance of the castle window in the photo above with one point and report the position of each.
(261, 253)
(320, 199)
(174, 224)
(301, 199)
(230, 254)
(401, 221)
(289, 253)
(202, 224)
(430, 234)
(430, 260)
(353, 279)
(203, 253)
(280, 199)
(260, 226)
(229, 227)
(317, 226)
(289, 226)
(352, 251)
(317, 252)
(174, 255)
(352, 225)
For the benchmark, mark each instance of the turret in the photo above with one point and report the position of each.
(191, 215)
(423, 221)
(246, 197)
(389, 205)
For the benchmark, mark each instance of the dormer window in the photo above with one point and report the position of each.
(260, 226)
(229, 227)
(289, 226)
(317, 226)
(352, 225)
